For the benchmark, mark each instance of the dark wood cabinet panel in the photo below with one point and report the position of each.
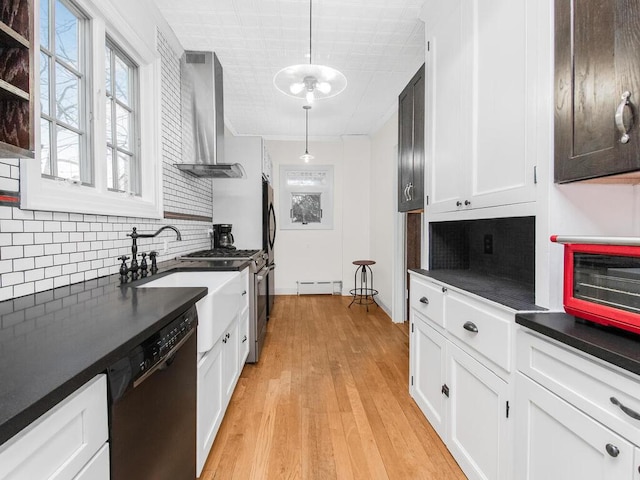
(411, 144)
(16, 77)
(596, 62)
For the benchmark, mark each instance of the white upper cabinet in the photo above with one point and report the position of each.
(481, 103)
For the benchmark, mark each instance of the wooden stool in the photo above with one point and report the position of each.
(363, 295)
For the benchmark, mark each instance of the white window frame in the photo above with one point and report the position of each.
(42, 193)
(326, 192)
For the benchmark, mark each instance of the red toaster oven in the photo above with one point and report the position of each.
(602, 279)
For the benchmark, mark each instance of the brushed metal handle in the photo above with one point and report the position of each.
(622, 128)
(633, 414)
(612, 450)
(410, 191)
(424, 300)
(470, 326)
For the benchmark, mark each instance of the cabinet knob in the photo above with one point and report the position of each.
(612, 450)
(424, 300)
(444, 289)
(467, 202)
(458, 203)
(244, 293)
(471, 327)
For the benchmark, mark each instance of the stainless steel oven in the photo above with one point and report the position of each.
(258, 289)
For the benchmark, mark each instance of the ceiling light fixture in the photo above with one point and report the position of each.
(307, 156)
(310, 81)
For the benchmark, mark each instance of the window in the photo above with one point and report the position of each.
(99, 136)
(122, 160)
(63, 118)
(306, 197)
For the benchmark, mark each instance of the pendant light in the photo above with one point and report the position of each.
(306, 156)
(310, 81)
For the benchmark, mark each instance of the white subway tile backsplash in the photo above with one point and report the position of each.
(79, 277)
(44, 261)
(9, 184)
(22, 264)
(33, 226)
(61, 281)
(12, 226)
(34, 275)
(5, 212)
(33, 250)
(43, 237)
(42, 285)
(52, 226)
(61, 216)
(18, 214)
(12, 278)
(22, 239)
(61, 259)
(6, 266)
(51, 272)
(39, 215)
(69, 268)
(6, 293)
(60, 237)
(69, 248)
(52, 249)
(23, 289)
(76, 257)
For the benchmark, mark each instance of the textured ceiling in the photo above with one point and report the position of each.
(377, 44)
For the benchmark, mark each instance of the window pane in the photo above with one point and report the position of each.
(109, 160)
(109, 125)
(44, 23)
(67, 98)
(66, 29)
(44, 83)
(122, 81)
(45, 147)
(305, 208)
(123, 172)
(68, 154)
(107, 68)
(123, 119)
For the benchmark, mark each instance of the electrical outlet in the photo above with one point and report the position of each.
(488, 244)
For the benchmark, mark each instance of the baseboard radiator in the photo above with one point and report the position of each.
(320, 288)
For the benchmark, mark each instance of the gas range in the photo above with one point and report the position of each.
(222, 254)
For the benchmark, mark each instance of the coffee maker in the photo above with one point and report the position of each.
(222, 236)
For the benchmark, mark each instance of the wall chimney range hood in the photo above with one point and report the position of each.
(202, 104)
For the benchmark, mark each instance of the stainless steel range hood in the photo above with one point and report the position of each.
(202, 99)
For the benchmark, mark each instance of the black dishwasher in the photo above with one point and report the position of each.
(152, 393)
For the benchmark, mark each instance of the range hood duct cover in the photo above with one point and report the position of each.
(202, 99)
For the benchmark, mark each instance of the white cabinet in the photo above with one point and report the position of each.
(458, 375)
(428, 371)
(481, 103)
(567, 425)
(219, 370)
(556, 441)
(67, 442)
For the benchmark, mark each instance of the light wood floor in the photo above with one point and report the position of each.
(329, 399)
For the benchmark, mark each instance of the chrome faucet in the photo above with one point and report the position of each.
(134, 246)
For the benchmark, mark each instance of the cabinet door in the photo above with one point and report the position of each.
(447, 142)
(98, 466)
(210, 402)
(596, 61)
(478, 423)
(503, 101)
(555, 441)
(428, 372)
(411, 144)
(230, 361)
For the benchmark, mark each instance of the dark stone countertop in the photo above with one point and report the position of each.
(53, 342)
(518, 296)
(612, 345)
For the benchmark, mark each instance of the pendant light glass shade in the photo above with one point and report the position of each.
(310, 81)
(306, 156)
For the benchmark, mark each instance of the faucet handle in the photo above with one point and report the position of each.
(154, 267)
(123, 266)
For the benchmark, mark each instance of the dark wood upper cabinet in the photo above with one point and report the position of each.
(411, 144)
(597, 60)
(16, 79)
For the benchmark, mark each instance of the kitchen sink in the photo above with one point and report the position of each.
(217, 309)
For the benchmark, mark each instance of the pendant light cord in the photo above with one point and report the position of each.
(306, 131)
(310, 3)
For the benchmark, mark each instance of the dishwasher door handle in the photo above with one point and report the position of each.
(168, 360)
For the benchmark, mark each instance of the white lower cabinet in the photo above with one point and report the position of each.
(556, 441)
(218, 373)
(243, 332)
(465, 401)
(478, 423)
(67, 442)
(567, 425)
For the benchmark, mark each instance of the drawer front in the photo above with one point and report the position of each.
(59, 444)
(428, 299)
(98, 466)
(482, 327)
(586, 383)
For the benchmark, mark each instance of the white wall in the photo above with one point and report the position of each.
(326, 255)
(384, 164)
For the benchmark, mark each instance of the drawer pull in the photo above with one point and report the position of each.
(424, 300)
(627, 410)
(612, 450)
(471, 327)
